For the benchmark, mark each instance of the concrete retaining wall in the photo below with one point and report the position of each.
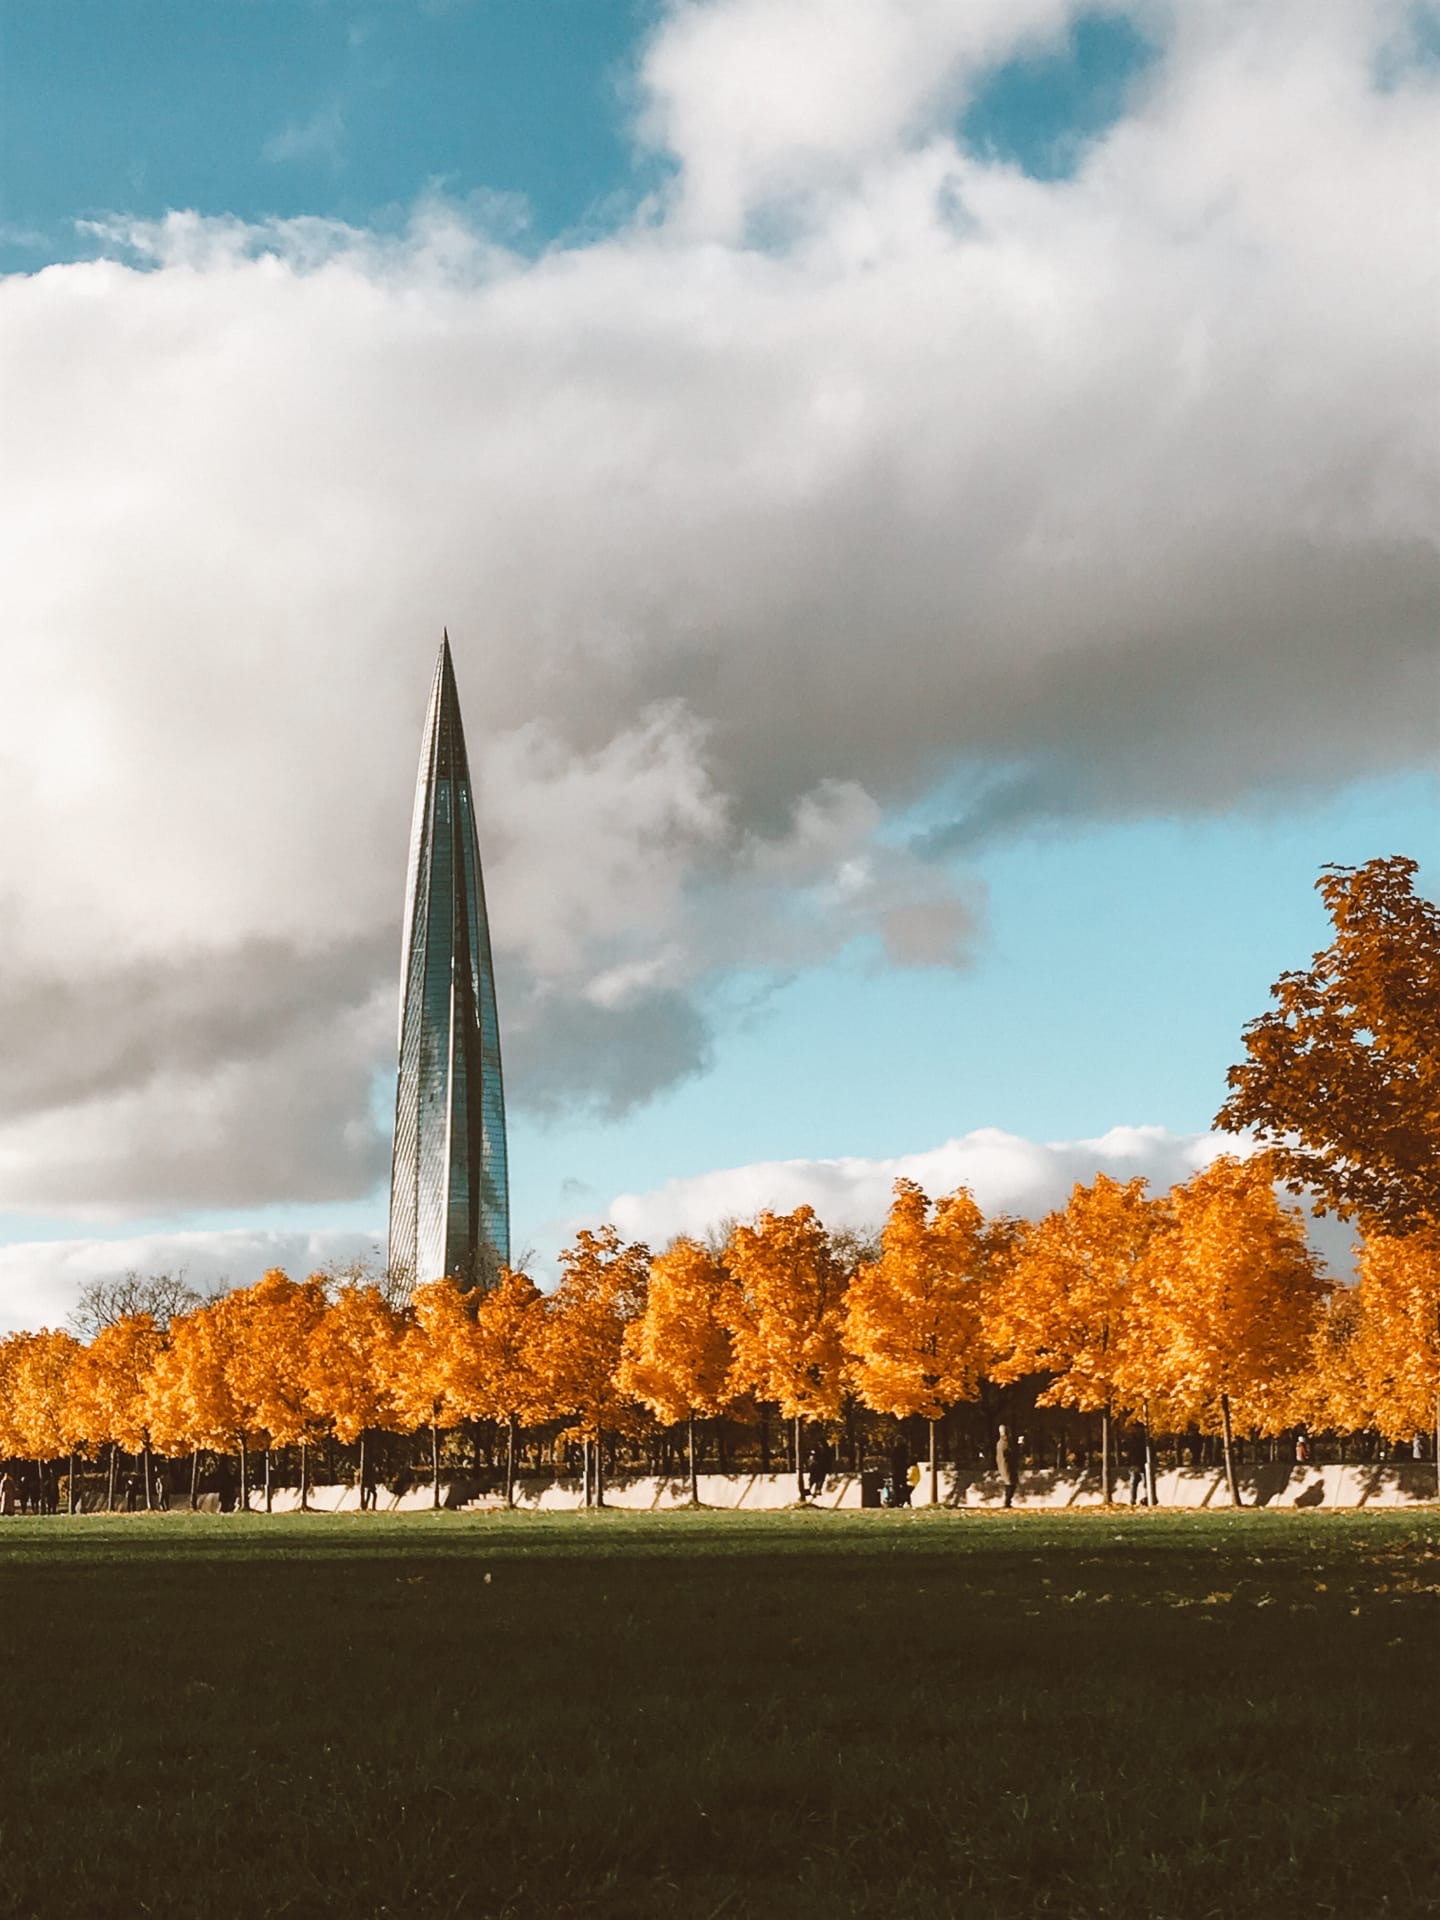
(1403, 1484)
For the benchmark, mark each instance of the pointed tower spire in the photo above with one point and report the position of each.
(449, 1185)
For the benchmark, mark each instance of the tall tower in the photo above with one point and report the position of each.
(449, 1185)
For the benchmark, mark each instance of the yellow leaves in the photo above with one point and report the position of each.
(601, 1291)
(914, 1320)
(1065, 1303)
(1231, 1296)
(270, 1328)
(191, 1399)
(678, 1355)
(109, 1383)
(36, 1416)
(1394, 1352)
(1342, 1074)
(351, 1354)
(786, 1314)
(505, 1352)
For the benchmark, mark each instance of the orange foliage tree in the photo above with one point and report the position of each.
(1342, 1078)
(785, 1309)
(349, 1363)
(1237, 1291)
(1398, 1301)
(679, 1354)
(109, 1387)
(269, 1327)
(427, 1382)
(914, 1319)
(1064, 1306)
(37, 1419)
(601, 1290)
(504, 1354)
(194, 1394)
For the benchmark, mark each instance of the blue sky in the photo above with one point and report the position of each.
(1106, 945)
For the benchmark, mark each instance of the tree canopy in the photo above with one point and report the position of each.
(1342, 1075)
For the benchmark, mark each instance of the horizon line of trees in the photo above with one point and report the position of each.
(1203, 1309)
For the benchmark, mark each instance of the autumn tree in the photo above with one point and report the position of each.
(785, 1310)
(504, 1355)
(109, 1386)
(1342, 1075)
(914, 1320)
(601, 1290)
(196, 1396)
(1238, 1288)
(348, 1365)
(37, 1409)
(679, 1354)
(1063, 1307)
(11, 1347)
(1330, 1388)
(268, 1328)
(430, 1383)
(1398, 1339)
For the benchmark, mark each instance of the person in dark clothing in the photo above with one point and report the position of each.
(1007, 1464)
(818, 1462)
(1135, 1465)
(900, 1473)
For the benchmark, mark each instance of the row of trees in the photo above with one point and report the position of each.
(1204, 1307)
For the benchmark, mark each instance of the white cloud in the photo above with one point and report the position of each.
(321, 137)
(1108, 495)
(41, 1280)
(762, 100)
(1005, 1172)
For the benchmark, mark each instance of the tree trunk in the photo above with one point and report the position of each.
(435, 1465)
(110, 1482)
(799, 1464)
(244, 1476)
(361, 1469)
(304, 1476)
(1229, 1441)
(765, 1440)
(146, 1473)
(195, 1480)
(1149, 1460)
(1437, 1446)
(599, 1469)
(1105, 1463)
(694, 1470)
(70, 1483)
(585, 1472)
(269, 1483)
(934, 1467)
(510, 1461)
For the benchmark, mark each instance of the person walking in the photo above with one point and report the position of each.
(1135, 1466)
(900, 1488)
(1007, 1464)
(818, 1462)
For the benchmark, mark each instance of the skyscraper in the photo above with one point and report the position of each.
(449, 1185)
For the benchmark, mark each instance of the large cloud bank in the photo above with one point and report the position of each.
(1007, 1174)
(853, 475)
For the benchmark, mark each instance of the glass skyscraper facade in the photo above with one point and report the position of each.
(449, 1183)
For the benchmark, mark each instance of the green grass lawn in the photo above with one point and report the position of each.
(701, 1714)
